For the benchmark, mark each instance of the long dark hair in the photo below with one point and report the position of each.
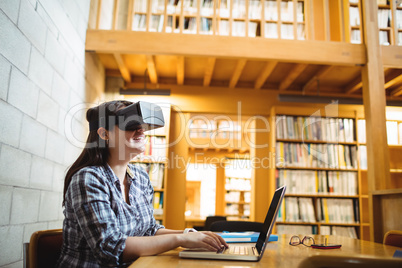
(96, 150)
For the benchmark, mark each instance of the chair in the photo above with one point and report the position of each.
(43, 250)
(393, 238)
(208, 221)
(236, 226)
(342, 261)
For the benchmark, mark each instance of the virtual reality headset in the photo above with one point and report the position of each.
(140, 114)
(135, 116)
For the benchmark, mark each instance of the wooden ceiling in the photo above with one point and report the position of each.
(283, 66)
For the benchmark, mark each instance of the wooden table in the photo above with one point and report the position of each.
(277, 254)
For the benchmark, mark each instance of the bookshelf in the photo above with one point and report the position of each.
(155, 162)
(394, 139)
(389, 22)
(352, 10)
(316, 156)
(237, 189)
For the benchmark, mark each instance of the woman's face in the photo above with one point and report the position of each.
(127, 144)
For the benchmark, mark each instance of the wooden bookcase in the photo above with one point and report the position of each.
(155, 161)
(322, 172)
(219, 139)
(389, 22)
(394, 137)
(237, 189)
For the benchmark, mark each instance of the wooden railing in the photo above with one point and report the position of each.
(325, 20)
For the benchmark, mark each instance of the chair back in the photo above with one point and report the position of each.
(393, 238)
(236, 226)
(211, 219)
(44, 248)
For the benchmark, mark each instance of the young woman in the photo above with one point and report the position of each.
(107, 202)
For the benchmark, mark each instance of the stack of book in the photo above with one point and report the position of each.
(155, 172)
(318, 182)
(315, 128)
(311, 155)
(333, 210)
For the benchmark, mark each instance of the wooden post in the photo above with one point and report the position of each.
(220, 190)
(378, 173)
(261, 159)
(178, 159)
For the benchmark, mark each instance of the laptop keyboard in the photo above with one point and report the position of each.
(235, 250)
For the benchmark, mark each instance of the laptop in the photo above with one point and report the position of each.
(244, 253)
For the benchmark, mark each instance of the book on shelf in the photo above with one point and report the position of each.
(158, 203)
(384, 18)
(334, 210)
(363, 156)
(355, 37)
(315, 128)
(318, 182)
(139, 22)
(238, 28)
(310, 155)
(287, 31)
(155, 172)
(354, 16)
(237, 184)
(206, 26)
(140, 6)
(271, 30)
(239, 9)
(271, 10)
(398, 18)
(157, 6)
(297, 209)
(384, 38)
(254, 9)
(156, 23)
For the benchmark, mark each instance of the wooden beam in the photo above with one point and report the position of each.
(209, 69)
(293, 74)
(180, 70)
(396, 92)
(393, 82)
(378, 158)
(314, 52)
(265, 73)
(317, 76)
(125, 73)
(237, 72)
(355, 85)
(153, 76)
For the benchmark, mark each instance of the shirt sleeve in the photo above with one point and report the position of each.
(90, 201)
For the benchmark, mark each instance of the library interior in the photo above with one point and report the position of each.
(255, 94)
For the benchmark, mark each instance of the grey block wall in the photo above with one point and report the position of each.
(46, 82)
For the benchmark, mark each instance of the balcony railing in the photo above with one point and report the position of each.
(334, 20)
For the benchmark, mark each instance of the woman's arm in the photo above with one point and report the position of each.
(151, 245)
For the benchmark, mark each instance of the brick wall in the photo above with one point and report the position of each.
(45, 75)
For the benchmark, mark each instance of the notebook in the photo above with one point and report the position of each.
(244, 253)
(244, 237)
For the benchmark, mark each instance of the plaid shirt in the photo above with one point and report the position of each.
(98, 220)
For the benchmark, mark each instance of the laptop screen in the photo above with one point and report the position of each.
(270, 219)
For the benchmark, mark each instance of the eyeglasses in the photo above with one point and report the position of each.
(306, 241)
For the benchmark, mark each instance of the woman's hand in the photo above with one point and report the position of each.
(207, 240)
